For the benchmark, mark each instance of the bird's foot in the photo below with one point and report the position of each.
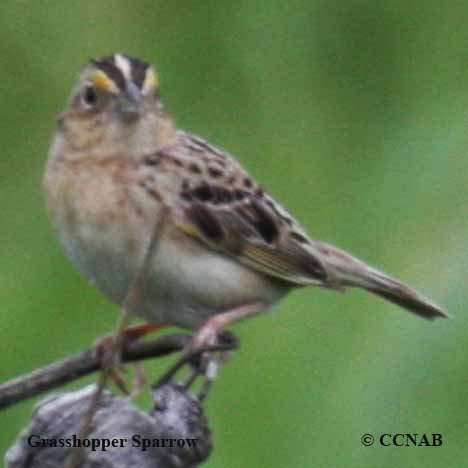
(109, 352)
(203, 359)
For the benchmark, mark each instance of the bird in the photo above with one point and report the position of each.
(121, 177)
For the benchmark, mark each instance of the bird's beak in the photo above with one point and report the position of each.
(131, 103)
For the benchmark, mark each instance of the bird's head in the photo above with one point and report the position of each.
(116, 98)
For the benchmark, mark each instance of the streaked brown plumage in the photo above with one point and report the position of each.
(227, 249)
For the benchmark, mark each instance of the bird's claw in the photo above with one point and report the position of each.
(199, 355)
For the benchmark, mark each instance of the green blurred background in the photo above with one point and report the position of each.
(354, 114)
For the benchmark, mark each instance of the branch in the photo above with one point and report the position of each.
(81, 364)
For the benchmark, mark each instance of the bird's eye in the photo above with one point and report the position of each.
(90, 96)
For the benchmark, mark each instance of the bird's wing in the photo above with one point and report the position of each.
(221, 206)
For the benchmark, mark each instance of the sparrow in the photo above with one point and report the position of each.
(121, 177)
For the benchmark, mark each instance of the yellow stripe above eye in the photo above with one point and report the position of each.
(101, 81)
(150, 82)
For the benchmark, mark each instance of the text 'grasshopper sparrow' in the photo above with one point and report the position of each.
(120, 173)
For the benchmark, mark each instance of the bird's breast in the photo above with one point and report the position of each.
(99, 223)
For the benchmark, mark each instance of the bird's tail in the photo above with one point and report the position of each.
(346, 270)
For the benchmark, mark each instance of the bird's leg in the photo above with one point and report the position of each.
(109, 349)
(129, 335)
(207, 336)
(226, 342)
(136, 332)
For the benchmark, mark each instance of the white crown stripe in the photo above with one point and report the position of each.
(124, 65)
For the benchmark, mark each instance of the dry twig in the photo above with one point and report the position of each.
(81, 364)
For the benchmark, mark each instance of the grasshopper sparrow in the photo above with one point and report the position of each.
(120, 173)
